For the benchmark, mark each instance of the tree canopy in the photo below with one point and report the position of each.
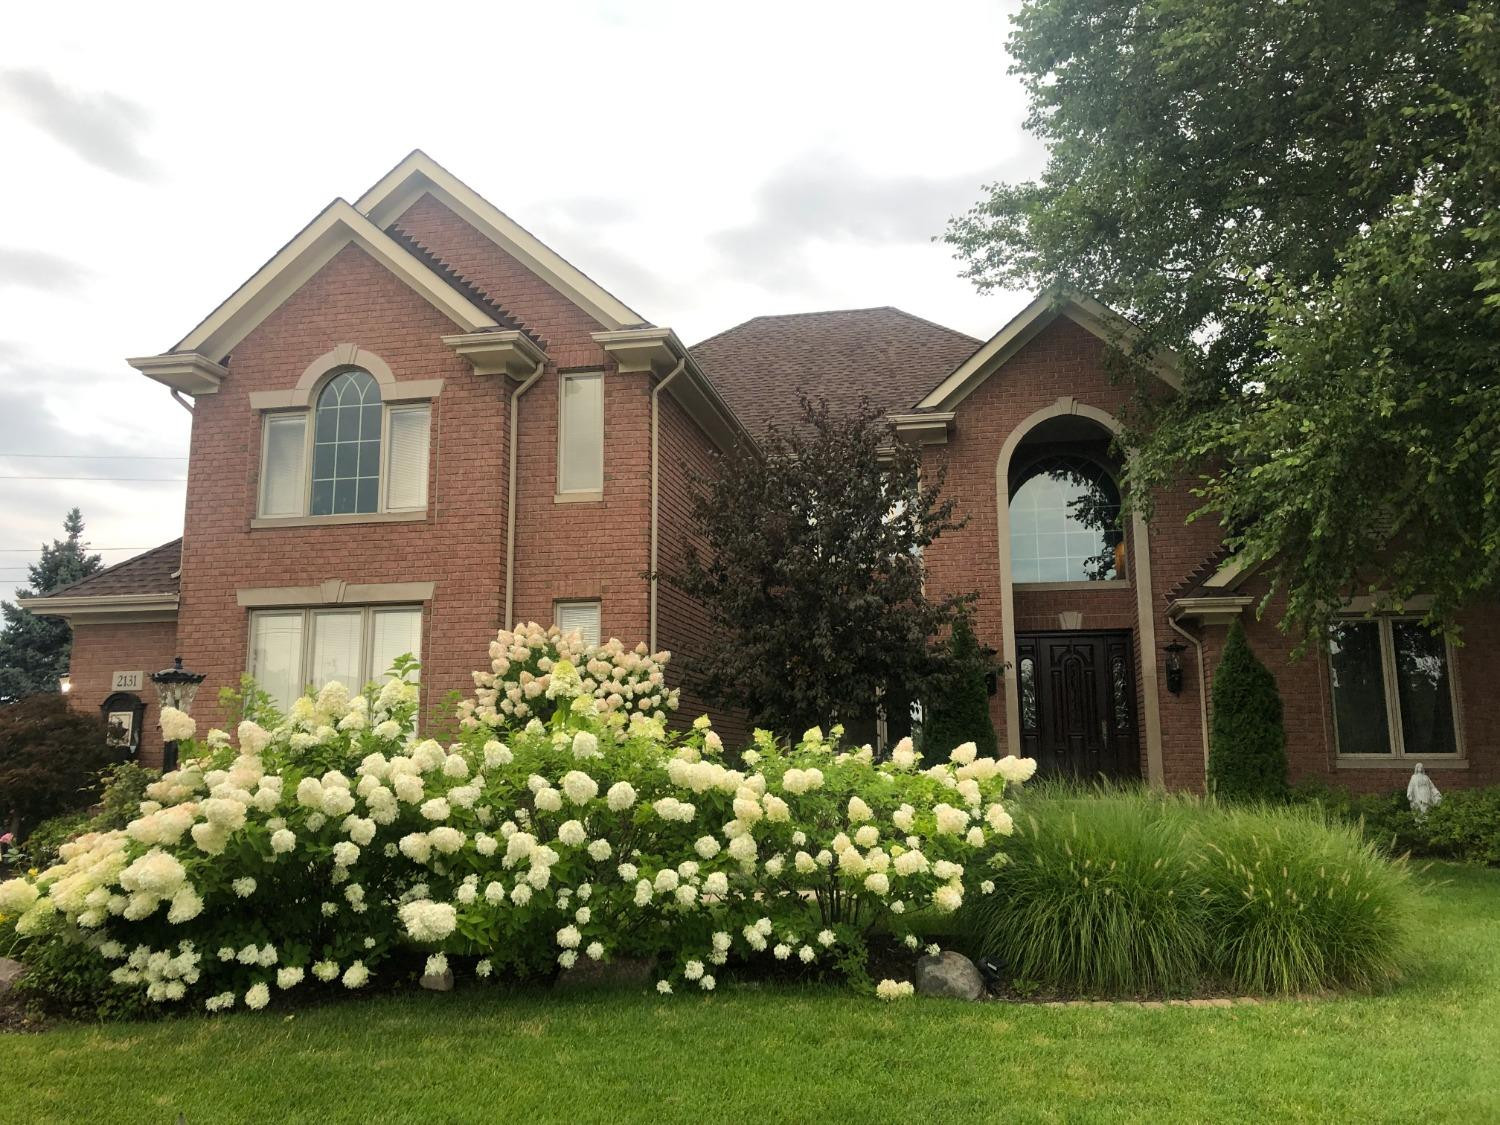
(1303, 202)
(34, 650)
(810, 566)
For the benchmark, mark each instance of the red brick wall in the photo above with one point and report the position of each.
(101, 650)
(682, 622)
(562, 551)
(1062, 360)
(1066, 360)
(459, 545)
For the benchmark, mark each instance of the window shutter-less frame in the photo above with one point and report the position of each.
(580, 455)
(406, 458)
(283, 489)
(582, 617)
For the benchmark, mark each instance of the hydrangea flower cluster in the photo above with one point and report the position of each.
(524, 680)
(577, 829)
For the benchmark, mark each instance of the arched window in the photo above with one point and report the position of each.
(1065, 522)
(346, 446)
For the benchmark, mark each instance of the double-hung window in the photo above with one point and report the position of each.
(351, 454)
(294, 649)
(1393, 690)
(580, 435)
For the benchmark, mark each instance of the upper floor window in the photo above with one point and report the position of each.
(580, 433)
(1393, 691)
(361, 456)
(1065, 522)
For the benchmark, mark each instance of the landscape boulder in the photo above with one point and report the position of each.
(949, 974)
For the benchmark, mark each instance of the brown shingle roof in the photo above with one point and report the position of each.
(891, 356)
(154, 572)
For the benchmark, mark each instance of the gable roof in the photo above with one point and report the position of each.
(1084, 311)
(419, 175)
(884, 353)
(335, 227)
(143, 588)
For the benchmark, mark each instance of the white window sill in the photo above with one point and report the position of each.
(337, 521)
(1391, 762)
(1101, 584)
(578, 497)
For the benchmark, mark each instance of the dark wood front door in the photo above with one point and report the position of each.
(1078, 704)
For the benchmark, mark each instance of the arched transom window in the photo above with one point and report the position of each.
(1065, 522)
(346, 446)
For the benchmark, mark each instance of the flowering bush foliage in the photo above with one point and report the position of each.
(318, 848)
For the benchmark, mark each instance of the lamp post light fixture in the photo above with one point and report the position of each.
(1174, 653)
(175, 688)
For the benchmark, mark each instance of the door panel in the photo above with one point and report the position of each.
(1077, 693)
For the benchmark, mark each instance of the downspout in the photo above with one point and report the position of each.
(1202, 688)
(178, 399)
(510, 500)
(656, 490)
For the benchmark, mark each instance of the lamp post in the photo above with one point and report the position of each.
(175, 688)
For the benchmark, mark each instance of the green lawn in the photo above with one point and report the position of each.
(1429, 1051)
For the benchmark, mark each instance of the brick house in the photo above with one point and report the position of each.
(416, 422)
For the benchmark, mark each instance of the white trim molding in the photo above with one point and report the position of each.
(1084, 311)
(509, 352)
(1141, 579)
(656, 351)
(335, 591)
(101, 609)
(337, 226)
(923, 428)
(346, 355)
(1217, 610)
(186, 372)
(420, 175)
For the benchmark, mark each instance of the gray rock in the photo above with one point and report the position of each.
(949, 974)
(10, 972)
(440, 982)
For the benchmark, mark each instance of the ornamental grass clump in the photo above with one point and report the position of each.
(1295, 904)
(1098, 898)
(563, 823)
(1112, 892)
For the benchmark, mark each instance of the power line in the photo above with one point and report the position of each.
(100, 456)
(7, 476)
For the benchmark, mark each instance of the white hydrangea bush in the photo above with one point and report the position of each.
(576, 829)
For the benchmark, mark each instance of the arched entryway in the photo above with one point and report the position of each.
(1078, 627)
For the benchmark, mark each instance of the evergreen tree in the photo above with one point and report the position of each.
(959, 710)
(1247, 745)
(34, 650)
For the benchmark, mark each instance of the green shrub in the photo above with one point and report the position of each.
(1131, 892)
(958, 711)
(50, 758)
(68, 978)
(53, 833)
(1097, 898)
(1465, 826)
(1296, 904)
(1247, 747)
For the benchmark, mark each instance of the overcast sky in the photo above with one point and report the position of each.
(704, 163)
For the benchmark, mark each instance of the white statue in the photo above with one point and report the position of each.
(1421, 793)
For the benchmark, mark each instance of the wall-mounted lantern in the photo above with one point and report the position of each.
(65, 683)
(1174, 653)
(175, 688)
